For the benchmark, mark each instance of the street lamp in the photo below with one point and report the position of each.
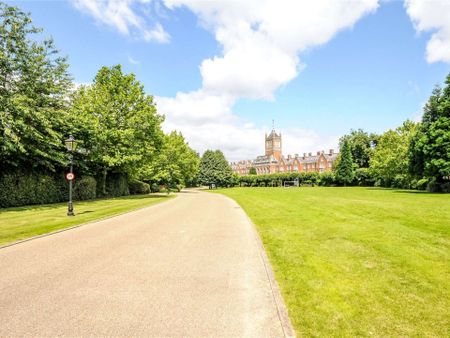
(71, 145)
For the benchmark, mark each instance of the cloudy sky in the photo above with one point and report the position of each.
(221, 71)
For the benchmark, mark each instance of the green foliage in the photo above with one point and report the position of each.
(22, 188)
(361, 146)
(344, 170)
(176, 164)
(252, 171)
(429, 152)
(363, 177)
(34, 85)
(137, 187)
(117, 122)
(85, 188)
(327, 179)
(389, 162)
(214, 169)
(116, 185)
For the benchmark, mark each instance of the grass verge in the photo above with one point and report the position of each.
(25, 222)
(357, 261)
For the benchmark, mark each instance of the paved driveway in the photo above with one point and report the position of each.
(191, 266)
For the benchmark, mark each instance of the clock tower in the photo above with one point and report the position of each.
(273, 144)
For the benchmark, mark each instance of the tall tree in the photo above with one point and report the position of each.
(344, 169)
(361, 146)
(429, 151)
(118, 123)
(34, 85)
(177, 163)
(390, 157)
(214, 169)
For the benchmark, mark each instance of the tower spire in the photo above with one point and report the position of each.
(273, 124)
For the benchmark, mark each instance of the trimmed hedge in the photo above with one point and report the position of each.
(21, 188)
(28, 188)
(116, 185)
(137, 187)
(85, 188)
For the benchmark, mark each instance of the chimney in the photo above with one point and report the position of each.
(289, 157)
(309, 154)
(331, 151)
(304, 155)
(318, 153)
(296, 155)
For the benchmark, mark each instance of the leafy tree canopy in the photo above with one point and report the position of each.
(390, 157)
(117, 121)
(429, 151)
(214, 169)
(34, 86)
(361, 146)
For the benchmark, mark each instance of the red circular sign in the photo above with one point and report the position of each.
(70, 176)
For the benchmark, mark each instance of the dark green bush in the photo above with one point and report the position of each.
(85, 188)
(25, 188)
(138, 187)
(363, 177)
(327, 179)
(422, 184)
(445, 187)
(116, 185)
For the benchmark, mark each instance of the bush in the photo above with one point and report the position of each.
(25, 188)
(433, 186)
(85, 188)
(137, 187)
(327, 179)
(363, 177)
(116, 185)
(445, 187)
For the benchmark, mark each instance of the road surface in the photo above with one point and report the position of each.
(191, 266)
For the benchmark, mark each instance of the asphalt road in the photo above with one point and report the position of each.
(191, 266)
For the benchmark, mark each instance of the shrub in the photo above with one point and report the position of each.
(401, 181)
(25, 188)
(363, 177)
(327, 179)
(116, 185)
(154, 187)
(85, 188)
(137, 187)
(445, 187)
(422, 184)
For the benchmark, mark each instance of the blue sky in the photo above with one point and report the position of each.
(370, 67)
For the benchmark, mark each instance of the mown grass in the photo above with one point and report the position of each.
(24, 222)
(357, 261)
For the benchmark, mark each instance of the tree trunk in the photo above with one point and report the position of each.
(105, 172)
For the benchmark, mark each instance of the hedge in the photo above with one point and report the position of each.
(137, 187)
(85, 188)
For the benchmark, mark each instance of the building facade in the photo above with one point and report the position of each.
(274, 162)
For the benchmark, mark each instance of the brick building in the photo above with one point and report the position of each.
(274, 162)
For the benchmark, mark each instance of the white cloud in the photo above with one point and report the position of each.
(261, 42)
(133, 61)
(120, 15)
(432, 16)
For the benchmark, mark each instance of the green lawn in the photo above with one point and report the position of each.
(357, 261)
(25, 222)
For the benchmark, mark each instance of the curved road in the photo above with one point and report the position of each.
(191, 266)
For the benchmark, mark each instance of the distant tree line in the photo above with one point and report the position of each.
(122, 148)
(412, 156)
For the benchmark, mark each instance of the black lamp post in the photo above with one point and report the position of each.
(71, 145)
